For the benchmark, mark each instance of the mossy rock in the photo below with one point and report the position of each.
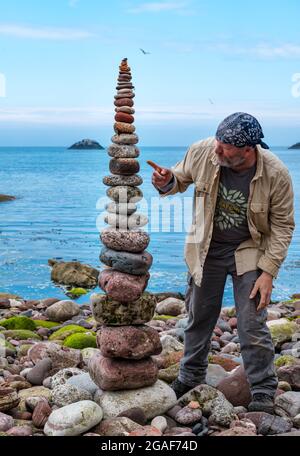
(282, 331)
(169, 374)
(164, 317)
(23, 350)
(20, 322)
(65, 331)
(80, 341)
(285, 360)
(8, 346)
(77, 292)
(45, 324)
(20, 334)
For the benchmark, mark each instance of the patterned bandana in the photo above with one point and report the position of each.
(241, 129)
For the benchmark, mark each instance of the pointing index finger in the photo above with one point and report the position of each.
(155, 166)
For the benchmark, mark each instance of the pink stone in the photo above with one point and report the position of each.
(120, 374)
(121, 286)
(131, 342)
(236, 388)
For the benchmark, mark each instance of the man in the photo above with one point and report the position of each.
(248, 225)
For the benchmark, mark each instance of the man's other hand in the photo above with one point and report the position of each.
(263, 285)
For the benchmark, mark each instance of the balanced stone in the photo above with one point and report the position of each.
(123, 102)
(126, 109)
(123, 222)
(130, 241)
(126, 90)
(124, 85)
(125, 139)
(121, 286)
(124, 166)
(124, 77)
(154, 400)
(123, 127)
(124, 194)
(110, 312)
(130, 342)
(121, 208)
(118, 151)
(126, 94)
(124, 117)
(114, 180)
(120, 374)
(131, 263)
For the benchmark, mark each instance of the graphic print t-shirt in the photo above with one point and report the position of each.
(230, 219)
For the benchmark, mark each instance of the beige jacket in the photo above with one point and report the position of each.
(270, 211)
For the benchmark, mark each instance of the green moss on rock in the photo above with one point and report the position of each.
(20, 334)
(80, 341)
(45, 324)
(282, 332)
(164, 317)
(20, 322)
(65, 331)
(77, 292)
(285, 360)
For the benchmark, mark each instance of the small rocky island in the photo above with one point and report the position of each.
(86, 144)
(295, 146)
(6, 198)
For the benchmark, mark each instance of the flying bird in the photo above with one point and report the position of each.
(144, 52)
(211, 102)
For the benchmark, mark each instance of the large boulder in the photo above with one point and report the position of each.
(154, 400)
(171, 306)
(288, 404)
(74, 273)
(62, 310)
(73, 419)
(236, 388)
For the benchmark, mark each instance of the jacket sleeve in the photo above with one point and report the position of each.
(282, 225)
(182, 173)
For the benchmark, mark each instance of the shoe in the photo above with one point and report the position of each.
(180, 388)
(261, 403)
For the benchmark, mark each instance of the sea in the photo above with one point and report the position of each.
(59, 213)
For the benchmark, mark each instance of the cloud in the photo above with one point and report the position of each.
(269, 113)
(263, 51)
(47, 33)
(158, 7)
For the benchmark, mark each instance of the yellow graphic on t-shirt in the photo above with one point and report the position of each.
(231, 208)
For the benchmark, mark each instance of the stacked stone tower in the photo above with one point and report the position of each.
(125, 342)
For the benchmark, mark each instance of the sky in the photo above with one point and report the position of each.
(208, 58)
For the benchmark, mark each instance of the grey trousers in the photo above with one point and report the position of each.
(204, 305)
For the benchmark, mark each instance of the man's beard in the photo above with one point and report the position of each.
(231, 163)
